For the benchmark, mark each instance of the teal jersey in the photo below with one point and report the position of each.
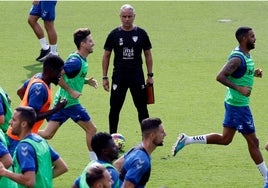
(82, 180)
(8, 111)
(4, 181)
(44, 174)
(76, 83)
(243, 76)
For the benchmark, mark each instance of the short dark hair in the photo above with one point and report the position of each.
(80, 35)
(27, 114)
(53, 62)
(150, 124)
(94, 173)
(99, 142)
(241, 32)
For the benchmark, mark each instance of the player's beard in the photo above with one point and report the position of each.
(55, 81)
(250, 45)
(157, 143)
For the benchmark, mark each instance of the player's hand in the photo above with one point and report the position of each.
(2, 169)
(60, 104)
(246, 91)
(36, 2)
(105, 84)
(75, 94)
(93, 82)
(150, 80)
(258, 73)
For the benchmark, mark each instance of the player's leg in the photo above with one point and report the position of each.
(266, 146)
(90, 130)
(232, 121)
(50, 130)
(255, 153)
(34, 15)
(222, 139)
(79, 115)
(117, 98)
(138, 93)
(33, 22)
(212, 138)
(49, 7)
(52, 36)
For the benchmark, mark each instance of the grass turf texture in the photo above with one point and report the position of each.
(190, 46)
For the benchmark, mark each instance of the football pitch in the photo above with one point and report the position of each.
(190, 45)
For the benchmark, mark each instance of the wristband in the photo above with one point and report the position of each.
(150, 74)
(105, 77)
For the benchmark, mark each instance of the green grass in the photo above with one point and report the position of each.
(189, 48)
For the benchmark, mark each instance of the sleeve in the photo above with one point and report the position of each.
(77, 182)
(3, 149)
(109, 44)
(72, 66)
(25, 84)
(26, 157)
(2, 110)
(242, 68)
(114, 175)
(146, 42)
(138, 166)
(37, 96)
(54, 155)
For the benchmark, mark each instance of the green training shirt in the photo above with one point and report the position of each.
(76, 83)
(233, 97)
(44, 175)
(8, 112)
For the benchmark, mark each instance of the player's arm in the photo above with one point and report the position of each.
(22, 89)
(5, 156)
(59, 105)
(6, 160)
(149, 65)
(105, 65)
(229, 68)
(2, 111)
(59, 166)
(28, 166)
(92, 82)
(27, 178)
(127, 184)
(37, 97)
(64, 85)
(118, 164)
(71, 69)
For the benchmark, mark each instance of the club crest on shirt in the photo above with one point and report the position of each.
(114, 86)
(135, 38)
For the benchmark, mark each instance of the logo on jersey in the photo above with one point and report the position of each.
(121, 41)
(24, 151)
(139, 164)
(38, 89)
(135, 38)
(128, 53)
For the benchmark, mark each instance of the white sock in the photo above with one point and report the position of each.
(201, 139)
(43, 43)
(53, 49)
(263, 170)
(93, 156)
